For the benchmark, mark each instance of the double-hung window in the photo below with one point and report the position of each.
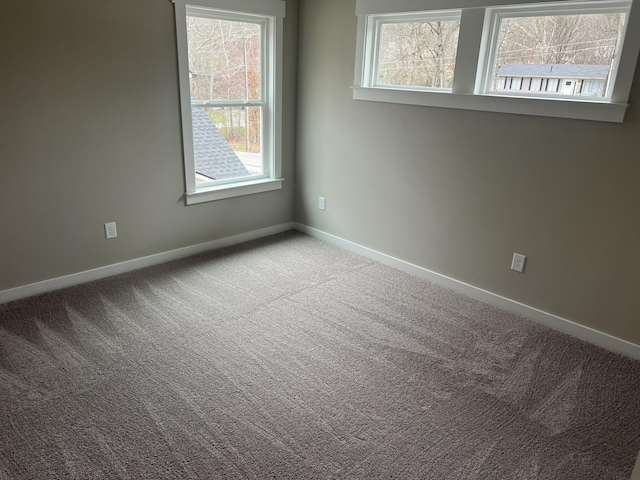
(229, 60)
(569, 58)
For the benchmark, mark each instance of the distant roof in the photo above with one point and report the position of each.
(548, 70)
(213, 157)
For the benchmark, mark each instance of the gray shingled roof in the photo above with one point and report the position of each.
(547, 70)
(213, 157)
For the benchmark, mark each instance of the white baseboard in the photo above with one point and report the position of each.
(588, 334)
(582, 332)
(128, 266)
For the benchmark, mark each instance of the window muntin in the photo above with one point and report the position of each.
(416, 51)
(565, 51)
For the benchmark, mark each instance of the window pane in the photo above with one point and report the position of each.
(227, 142)
(418, 54)
(224, 59)
(561, 52)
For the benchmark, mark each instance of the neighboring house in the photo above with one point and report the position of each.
(213, 157)
(582, 80)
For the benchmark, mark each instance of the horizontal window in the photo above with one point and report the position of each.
(567, 59)
(564, 49)
(416, 50)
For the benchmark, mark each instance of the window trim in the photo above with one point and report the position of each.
(474, 42)
(272, 13)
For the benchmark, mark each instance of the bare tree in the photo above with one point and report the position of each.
(558, 39)
(418, 53)
(225, 59)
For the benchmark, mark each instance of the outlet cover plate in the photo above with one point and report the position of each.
(110, 230)
(518, 262)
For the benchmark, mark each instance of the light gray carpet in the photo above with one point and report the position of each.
(291, 358)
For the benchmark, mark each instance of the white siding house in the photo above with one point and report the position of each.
(578, 80)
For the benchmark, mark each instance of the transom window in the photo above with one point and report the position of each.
(417, 50)
(572, 59)
(553, 51)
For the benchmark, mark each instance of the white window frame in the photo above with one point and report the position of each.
(496, 14)
(477, 32)
(372, 68)
(270, 14)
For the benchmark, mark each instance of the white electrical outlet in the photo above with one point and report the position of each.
(322, 203)
(518, 262)
(110, 230)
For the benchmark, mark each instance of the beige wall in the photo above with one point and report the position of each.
(458, 192)
(90, 133)
(635, 475)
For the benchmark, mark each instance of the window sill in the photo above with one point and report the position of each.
(233, 190)
(576, 109)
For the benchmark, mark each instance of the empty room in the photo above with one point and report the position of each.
(312, 239)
